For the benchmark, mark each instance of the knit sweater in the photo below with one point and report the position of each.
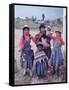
(40, 55)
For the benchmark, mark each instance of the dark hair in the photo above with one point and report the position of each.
(26, 28)
(39, 45)
(41, 26)
(58, 32)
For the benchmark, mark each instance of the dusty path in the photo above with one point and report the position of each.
(20, 79)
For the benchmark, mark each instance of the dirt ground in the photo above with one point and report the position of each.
(20, 79)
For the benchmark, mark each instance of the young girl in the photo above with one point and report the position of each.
(40, 61)
(27, 55)
(56, 54)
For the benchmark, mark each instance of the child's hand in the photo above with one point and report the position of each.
(19, 50)
(44, 42)
(27, 38)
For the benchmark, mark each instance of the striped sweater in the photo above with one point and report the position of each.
(40, 55)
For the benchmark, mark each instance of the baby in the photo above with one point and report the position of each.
(40, 61)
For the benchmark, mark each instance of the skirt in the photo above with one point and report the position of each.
(40, 69)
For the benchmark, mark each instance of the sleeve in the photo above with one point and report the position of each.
(53, 38)
(62, 42)
(33, 39)
(21, 43)
(36, 38)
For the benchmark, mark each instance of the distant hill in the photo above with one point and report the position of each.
(34, 24)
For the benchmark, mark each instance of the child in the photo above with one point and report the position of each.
(41, 36)
(56, 54)
(27, 55)
(40, 61)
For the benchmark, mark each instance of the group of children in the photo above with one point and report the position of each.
(39, 62)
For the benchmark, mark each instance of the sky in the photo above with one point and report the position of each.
(51, 13)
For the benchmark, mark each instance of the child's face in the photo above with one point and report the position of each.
(58, 34)
(42, 30)
(26, 32)
(40, 48)
(49, 32)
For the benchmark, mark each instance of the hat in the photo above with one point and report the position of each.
(49, 28)
(39, 44)
(41, 26)
(26, 26)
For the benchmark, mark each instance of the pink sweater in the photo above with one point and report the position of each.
(22, 41)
